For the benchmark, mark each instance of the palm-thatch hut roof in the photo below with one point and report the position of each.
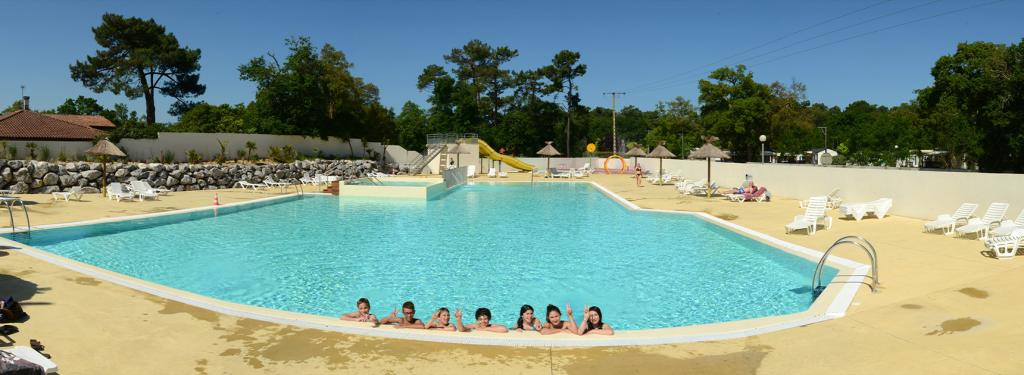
(105, 148)
(548, 150)
(661, 152)
(635, 151)
(709, 151)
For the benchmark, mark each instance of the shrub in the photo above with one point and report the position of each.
(166, 157)
(3, 150)
(31, 150)
(274, 154)
(289, 154)
(61, 156)
(194, 157)
(251, 147)
(222, 157)
(240, 155)
(12, 152)
(45, 153)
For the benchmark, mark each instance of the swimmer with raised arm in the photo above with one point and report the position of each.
(527, 322)
(593, 323)
(555, 324)
(408, 320)
(362, 313)
(441, 320)
(483, 322)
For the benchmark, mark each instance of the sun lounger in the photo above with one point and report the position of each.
(556, 174)
(1005, 247)
(502, 174)
(812, 217)
(9, 363)
(980, 226)
(116, 191)
(948, 222)
(245, 185)
(142, 191)
(704, 190)
(833, 200)
(76, 192)
(492, 173)
(1008, 226)
(161, 191)
(471, 171)
(879, 208)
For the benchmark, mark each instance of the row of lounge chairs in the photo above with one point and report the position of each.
(815, 211)
(135, 189)
(266, 184)
(1002, 237)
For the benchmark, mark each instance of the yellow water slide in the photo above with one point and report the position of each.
(487, 151)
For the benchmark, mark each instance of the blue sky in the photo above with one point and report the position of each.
(653, 50)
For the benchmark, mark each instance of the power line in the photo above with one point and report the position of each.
(765, 44)
(663, 87)
(847, 27)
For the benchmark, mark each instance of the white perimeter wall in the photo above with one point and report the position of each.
(915, 193)
(70, 149)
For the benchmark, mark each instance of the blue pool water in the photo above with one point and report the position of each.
(492, 245)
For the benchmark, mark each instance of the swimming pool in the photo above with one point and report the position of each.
(493, 245)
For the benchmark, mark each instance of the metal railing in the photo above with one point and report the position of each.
(10, 202)
(433, 150)
(449, 138)
(816, 286)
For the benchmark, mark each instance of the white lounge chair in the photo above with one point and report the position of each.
(814, 215)
(503, 174)
(31, 355)
(492, 173)
(948, 222)
(980, 226)
(160, 191)
(306, 180)
(587, 169)
(142, 191)
(833, 200)
(563, 174)
(251, 186)
(270, 182)
(1008, 226)
(1005, 247)
(879, 208)
(76, 191)
(704, 189)
(116, 191)
(471, 171)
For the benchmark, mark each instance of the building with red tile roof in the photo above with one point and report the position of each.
(25, 125)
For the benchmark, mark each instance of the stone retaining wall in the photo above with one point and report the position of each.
(40, 177)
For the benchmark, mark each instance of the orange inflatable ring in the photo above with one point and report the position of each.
(622, 162)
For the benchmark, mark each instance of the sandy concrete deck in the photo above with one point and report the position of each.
(944, 308)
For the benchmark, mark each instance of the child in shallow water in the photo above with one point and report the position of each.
(483, 322)
(362, 313)
(441, 320)
(527, 322)
(555, 324)
(593, 323)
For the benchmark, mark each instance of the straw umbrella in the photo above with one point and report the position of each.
(635, 152)
(103, 149)
(458, 150)
(548, 151)
(661, 153)
(709, 151)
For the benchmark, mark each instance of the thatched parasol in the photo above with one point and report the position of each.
(709, 151)
(458, 150)
(661, 153)
(548, 151)
(103, 149)
(635, 152)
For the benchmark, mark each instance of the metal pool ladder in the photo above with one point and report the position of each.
(10, 202)
(816, 286)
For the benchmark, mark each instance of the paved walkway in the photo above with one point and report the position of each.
(944, 308)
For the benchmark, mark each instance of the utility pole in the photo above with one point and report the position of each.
(615, 143)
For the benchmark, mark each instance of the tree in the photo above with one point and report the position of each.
(736, 108)
(564, 68)
(676, 123)
(15, 106)
(313, 93)
(140, 58)
(206, 118)
(412, 127)
(81, 106)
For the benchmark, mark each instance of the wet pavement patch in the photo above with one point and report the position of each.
(954, 326)
(974, 292)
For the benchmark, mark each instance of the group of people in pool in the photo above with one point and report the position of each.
(592, 323)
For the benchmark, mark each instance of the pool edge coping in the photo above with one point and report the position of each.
(834, 300)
